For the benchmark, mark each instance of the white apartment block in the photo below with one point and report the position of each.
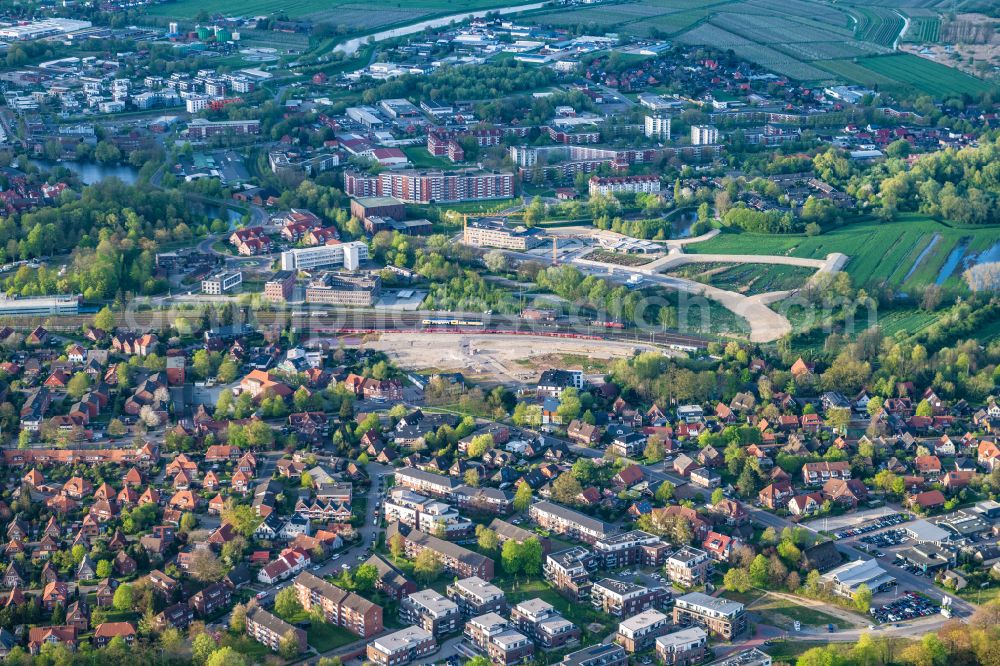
(704, 135)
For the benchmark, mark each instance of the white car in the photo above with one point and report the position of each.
(345, 565)
(336, 557)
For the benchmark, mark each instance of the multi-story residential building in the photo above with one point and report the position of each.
(349, 255)
(199, 128)
(657, 126)
(574, 524)
(494, 232)
(428, 483)
(623, 599)
(475, 596)
(402, 647)
(280, 287)
(682, 648)
(818, 473)
(457, 560)
(391, 581)
(719, 616)
(222, 282)
(344, 289)
(210, 599)
(509, 532)
(704, 135)
(341, 608)
(638, 632)
(602, 654)
(432, 611)
(688, 566)
(569, 571)
(425, 514)
(424, 187)
(493, 635)
(544, 624)
(484, 500)
(269, 629)
(647, 184)
(554, 381)
(628, 548)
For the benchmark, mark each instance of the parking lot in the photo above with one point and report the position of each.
(873, 525)
(908, 607)
(885, 539)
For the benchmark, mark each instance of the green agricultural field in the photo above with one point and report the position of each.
(807, 40)
(891, 253)
(877, 24)
(923, 30)
(925, 75)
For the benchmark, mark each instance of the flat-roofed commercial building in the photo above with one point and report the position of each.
(41, 305)
(719, 616)
(324, 256)
(344, 289)
(220, 283)
(847, 578)
(494, 232)
(401, 647)
(280, 287)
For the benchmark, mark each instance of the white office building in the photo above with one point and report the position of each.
(222, 282)
(348, 255)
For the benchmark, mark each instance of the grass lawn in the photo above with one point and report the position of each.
(783, 613)
(254, 651)
(422, 159)
(581, 614)
(325, 636)
(890, 253)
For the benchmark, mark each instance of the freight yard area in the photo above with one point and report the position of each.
(496, 359)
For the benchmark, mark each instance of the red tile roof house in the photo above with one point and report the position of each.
(850, 492)
(928, 501)
(928, 465)
(815, 473)
(39, 636)
(107, 631)
(718, 546)
(776, 495)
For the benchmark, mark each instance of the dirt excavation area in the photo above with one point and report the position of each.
(500, 358)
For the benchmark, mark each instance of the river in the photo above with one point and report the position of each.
(351, 46)
(92, 172)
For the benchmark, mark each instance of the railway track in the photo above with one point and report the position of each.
(327, 322)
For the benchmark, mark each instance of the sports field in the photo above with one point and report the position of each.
(910, 253)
